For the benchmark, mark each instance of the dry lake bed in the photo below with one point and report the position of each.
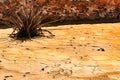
(77, 52)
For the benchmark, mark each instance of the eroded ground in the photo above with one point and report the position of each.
(77, 52)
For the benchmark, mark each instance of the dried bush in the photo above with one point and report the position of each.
(26, 19)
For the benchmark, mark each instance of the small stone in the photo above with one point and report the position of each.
(43, 69)
(57, 65)
(8, 76)
(85, 55)
(27, 48)
(73, 38)
(101, 49)
(76, 53)
(88, 43)
(4, 51)
(86, 33)
(27, 72)
(81, 57)
(71, 44)
(68, 62)
(29, 57)
(74, 47)
(95, 46)
(57, 48)
(14, 61)
(80, 45)
(93, 37)
(24, 75)
(8, 46)
(44, 47)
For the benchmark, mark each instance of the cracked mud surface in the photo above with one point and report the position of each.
(77, 52)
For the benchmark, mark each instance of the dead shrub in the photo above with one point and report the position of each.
(27, 19)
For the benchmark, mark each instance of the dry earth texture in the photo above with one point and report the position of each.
(77, 52)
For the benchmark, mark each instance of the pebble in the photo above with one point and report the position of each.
(101, 49)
